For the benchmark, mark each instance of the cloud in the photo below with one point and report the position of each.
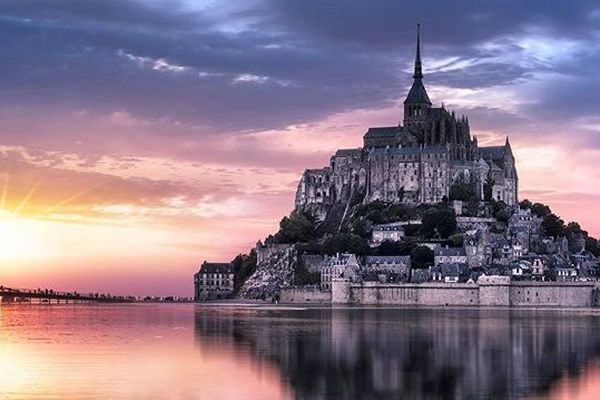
(200, 116)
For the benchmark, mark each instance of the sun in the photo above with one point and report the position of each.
(20, 238)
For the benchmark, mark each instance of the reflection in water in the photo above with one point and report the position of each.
(121, 352)
(276, 353)
(402, 353)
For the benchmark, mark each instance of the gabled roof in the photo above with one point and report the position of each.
(382, 132)
(347, 152)
(450, 251)
(388, 259)
(454, 269)
(216, 268)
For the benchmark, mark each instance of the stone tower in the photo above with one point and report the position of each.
(417, 103)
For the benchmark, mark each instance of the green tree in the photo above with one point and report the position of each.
(573, 228)
(540, 210)
(488, 187)
(462, 191)
(302, 276)
(389, 248)
(503, 215)
(591, 245)
(295, 229)
(526, 204)
(553, 225)
(346, 243)
(244, 265)
(362, 228)
(421, 257)
(439, 219)
(456, 240)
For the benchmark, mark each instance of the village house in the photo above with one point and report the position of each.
(341, 265)
(538, 269)
(213, 281)
(391, 232)
(450, 273)
(449, 255)
(566, 274)
(393, 268)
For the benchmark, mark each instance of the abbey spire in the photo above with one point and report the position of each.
(418, 68)
(417, 102)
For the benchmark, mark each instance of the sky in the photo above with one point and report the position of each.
(139, 138)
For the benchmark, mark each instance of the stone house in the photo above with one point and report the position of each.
(396, 267)
(538, 269)
(450, 273)
(213, 281)
(393, 232)
(566, 274)
(449, 255)
(341, 265)
(420, 275)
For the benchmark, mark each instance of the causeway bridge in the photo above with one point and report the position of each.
(49, 296)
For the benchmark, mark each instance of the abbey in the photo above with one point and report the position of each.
(416, 162)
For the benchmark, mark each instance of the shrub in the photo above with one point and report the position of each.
(421, 257)
(440, 220)
(346, 243)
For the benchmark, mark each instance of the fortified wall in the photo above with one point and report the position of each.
(496, 291)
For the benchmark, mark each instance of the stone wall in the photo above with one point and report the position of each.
(432, 294)
(494, 291)
(552, 294)
(491, 291)
(304, 295)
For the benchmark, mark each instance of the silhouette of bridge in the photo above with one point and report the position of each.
(19, 295)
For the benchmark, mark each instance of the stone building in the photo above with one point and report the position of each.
(449, 255)
(213, 281)
(338, 266)
(415, 162)
(393, 232)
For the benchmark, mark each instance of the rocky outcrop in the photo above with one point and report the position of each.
(274, 270)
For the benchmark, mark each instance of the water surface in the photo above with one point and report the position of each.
(264, 352)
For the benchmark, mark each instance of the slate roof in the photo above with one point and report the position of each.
(388, 260)
(389, 227)
(438, 112)
(382, 132)
(407, 151)
(216, 268)
(347, 152)
(450, 251)
(417, 93)
(493, 152)
(454, 269)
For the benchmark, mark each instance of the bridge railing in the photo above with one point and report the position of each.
(55, 293)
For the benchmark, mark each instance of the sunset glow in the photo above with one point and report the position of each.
(135, 156)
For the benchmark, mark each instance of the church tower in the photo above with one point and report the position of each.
(417, 103)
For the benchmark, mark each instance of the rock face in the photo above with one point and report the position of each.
(275, 269)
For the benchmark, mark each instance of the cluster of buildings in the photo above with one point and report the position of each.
(520, 252)
(416, 162)
(421, 161)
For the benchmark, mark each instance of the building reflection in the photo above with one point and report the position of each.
(391, 353)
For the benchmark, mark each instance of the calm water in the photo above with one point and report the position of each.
(262, 353)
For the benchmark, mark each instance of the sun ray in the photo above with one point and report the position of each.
(5, 190)
(26, 199)
(70, 199)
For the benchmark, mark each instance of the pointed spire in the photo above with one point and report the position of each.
(418, 69)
